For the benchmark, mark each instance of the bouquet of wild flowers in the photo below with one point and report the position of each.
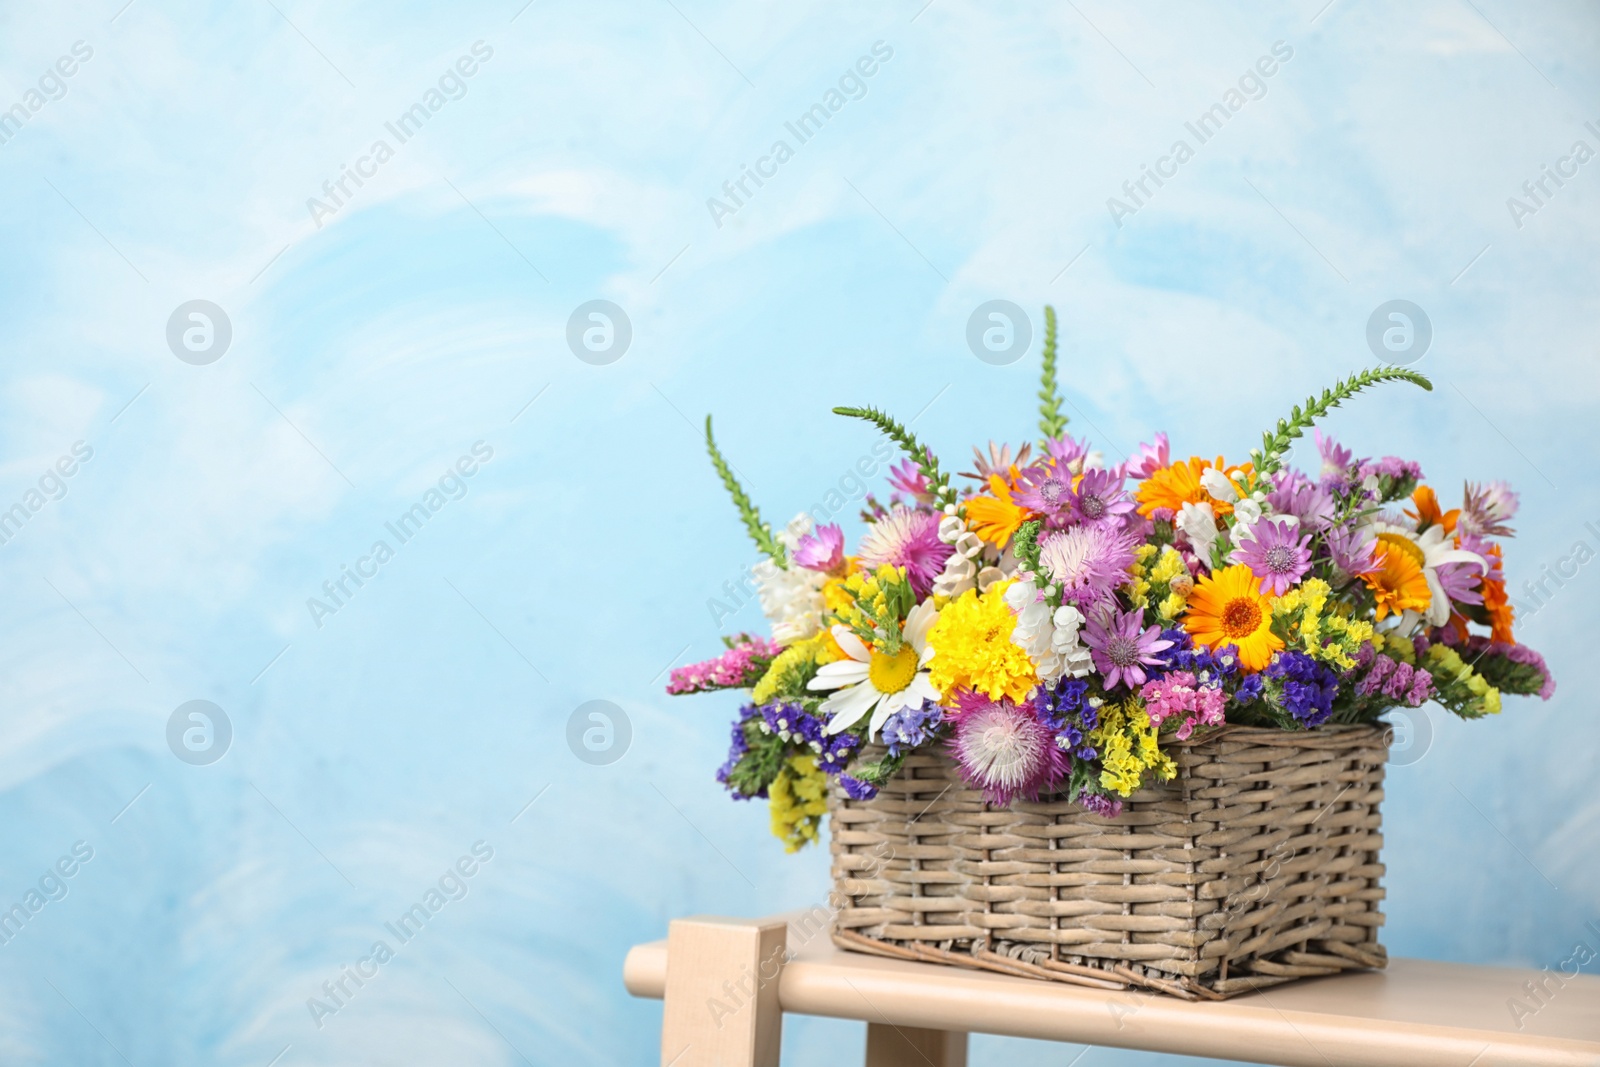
(1055, 621)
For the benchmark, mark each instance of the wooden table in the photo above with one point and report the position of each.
(727, 983)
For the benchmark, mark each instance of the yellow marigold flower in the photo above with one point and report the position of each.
(798, 800)
(972, 647)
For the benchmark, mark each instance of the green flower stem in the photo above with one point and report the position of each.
(1052, 423)
(760, 532)
(1273, 443)
(920, 454)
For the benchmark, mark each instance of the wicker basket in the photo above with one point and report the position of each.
(1257, 864)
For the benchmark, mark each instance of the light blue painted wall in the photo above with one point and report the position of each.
(371, 351)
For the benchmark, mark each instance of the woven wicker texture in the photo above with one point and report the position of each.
(1257, 864)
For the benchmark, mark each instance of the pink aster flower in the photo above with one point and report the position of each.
(1149, 459)
(1006, 751)
(1122, 647)
(1336, 459)
(1488, 508)
(909, 479)
(1047, 490)
(1177, 695)
(1099, 496)
(909, 539)
(1277, 554)
(821, 550)
(1067, 450)
(1088, 561)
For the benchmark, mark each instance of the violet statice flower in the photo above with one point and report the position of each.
(737, 749)
(1398, 684)
(1250, 689)
(1377, 672)
(1047, 489)
(1208, 665)
(1088, 562)
(856, 789)
(1065, 709)
(1353, 549)
(1276, 555)
(1122, 646)
(820, 550)
(1179, 695)
(1309, 502)
(1307, 688)
(1100, 804)
(738, 668)
(909, 539)
(1392, 467)
(1487, 510)
(1006, 751)
(910, 727)
(1148, 459)
(1099, 497)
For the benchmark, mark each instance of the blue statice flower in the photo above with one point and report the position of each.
(1307, 687)
(856, 789)
(1249, 689)
(1209, 666)
(910, 727)
(791, 722)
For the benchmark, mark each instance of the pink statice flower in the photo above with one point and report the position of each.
(1122, 646)
(1148, 459)
(1006, 751)
(740, 667)
(909, 539)
(1277, 553)
(1178, 696)
(820, 550)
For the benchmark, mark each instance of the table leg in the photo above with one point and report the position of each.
(721, 1002)
(908, 1046)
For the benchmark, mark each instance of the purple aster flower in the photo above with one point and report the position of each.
(1295, 494)
(1392, 467)
(1006, 751)
(822, 550)
(1067, 450)
(909, 539)
(1353, 549)
(1046, 489)
(1148, 459)
(1487, 510)
(1122, 647)
(1276, 555)
(1088, 561)
(1099, 497)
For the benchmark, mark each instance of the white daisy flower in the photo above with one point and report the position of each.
(877, 682)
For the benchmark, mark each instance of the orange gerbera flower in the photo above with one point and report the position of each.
(1428, 513)
(1174, 486)
(996, 518)
(1497, 604)
(1227, 608)
(1399, 584)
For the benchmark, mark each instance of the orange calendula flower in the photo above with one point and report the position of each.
(996, 518)
(1173, 486)
(1399, 583)
(1497, 604)
(1227, 608)
(1428, 513)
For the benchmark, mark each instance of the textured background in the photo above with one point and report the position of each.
(369, 352)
